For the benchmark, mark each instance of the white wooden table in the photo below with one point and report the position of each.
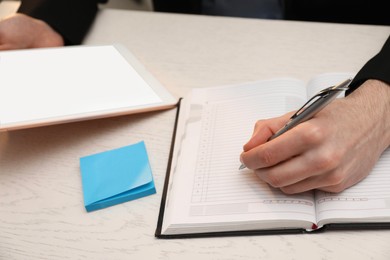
(41, 204)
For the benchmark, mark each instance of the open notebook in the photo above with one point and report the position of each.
(55, 85)
(206, 195)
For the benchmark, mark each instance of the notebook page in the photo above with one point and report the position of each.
(208, 188)
(370, 198)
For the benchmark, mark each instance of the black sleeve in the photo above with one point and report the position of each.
(178, 6)
(336, 11)
(376, 68)
(70, 18)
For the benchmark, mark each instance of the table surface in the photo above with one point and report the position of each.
(41, 203)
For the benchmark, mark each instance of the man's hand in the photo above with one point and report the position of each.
(332, 151)
(20, 31)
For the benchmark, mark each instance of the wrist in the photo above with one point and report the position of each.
(374, 96)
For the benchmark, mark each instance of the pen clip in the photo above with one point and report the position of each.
(343, 86)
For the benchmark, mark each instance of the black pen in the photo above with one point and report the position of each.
(311, 107)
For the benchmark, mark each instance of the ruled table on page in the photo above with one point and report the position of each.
(226, 126)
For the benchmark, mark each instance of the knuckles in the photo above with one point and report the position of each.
(327, 161)
(313, 135)
(266, 157)
(335, 181)
(271, 177)
(259, 123)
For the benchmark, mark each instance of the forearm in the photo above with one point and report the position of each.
(70, 18)
(374, 97)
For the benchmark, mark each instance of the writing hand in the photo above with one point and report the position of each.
(332, 151)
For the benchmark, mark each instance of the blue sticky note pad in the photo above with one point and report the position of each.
(116, 176)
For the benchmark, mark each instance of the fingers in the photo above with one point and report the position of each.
(298, 160)
(334, 181)
(291, 144)
(305, 172)
(330, 182)
(264, 129)
(260, 136)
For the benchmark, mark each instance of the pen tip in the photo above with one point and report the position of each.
(242, 166)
